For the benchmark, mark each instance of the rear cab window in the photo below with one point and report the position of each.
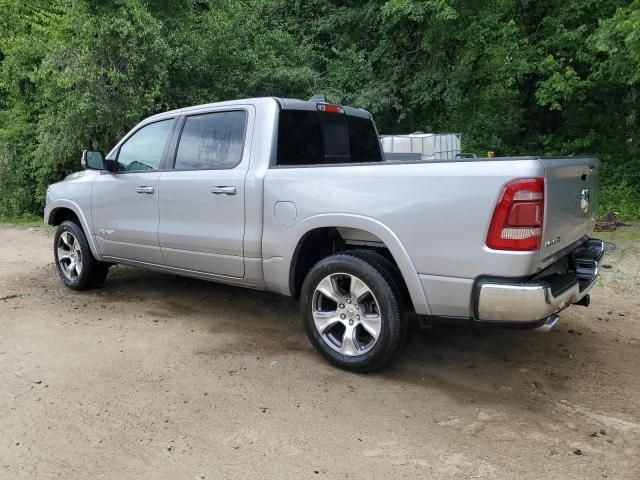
(308, 137)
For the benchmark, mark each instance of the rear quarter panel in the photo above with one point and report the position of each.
(438, 213)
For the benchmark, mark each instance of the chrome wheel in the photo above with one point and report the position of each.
(346, 314)
(69, 255)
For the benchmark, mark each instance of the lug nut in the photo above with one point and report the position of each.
(357, 307)
(348, 300)
(341, 305)
(350, 322)
(357, 317)
(343, 316)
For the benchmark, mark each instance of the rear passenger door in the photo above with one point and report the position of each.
(201, 194)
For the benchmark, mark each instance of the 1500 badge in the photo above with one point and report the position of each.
(106, 231)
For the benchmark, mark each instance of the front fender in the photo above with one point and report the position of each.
(49, 215)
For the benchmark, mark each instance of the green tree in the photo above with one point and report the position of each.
(516, 76)
(96, 70)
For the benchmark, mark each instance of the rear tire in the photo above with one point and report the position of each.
(77, 267)
(393, 275)
(352, 312)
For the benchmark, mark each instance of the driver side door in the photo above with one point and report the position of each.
(125, 202)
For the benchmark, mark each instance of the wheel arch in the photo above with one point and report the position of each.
(64, 210)
(332, 227)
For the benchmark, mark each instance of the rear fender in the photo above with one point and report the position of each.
(391, 241)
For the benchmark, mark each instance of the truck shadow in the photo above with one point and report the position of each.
(462, 359)
(491, 364)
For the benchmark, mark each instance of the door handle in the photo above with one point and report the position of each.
(144, 189)
(223, 190)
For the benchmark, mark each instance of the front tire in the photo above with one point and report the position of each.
(77, 267)
(352, 312)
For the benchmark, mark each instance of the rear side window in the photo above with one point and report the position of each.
(316, 138)
(211, 141)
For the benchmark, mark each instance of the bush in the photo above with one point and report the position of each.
(622, 198)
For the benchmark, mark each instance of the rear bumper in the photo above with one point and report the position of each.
(530, 301)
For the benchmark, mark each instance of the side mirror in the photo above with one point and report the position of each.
(93, 160)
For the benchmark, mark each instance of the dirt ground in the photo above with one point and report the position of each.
(156, 376)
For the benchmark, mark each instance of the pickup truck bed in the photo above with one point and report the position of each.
(433, 217)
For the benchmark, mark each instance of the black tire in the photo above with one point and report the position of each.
(92, 272)
(385, 295)
(393, 275)
(388, 269)
(376, 259)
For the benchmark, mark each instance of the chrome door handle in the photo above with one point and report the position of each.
(223, 190)
(143, 189)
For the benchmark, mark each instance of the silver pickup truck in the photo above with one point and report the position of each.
(296, 197)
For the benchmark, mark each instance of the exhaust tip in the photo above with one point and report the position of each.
(549, 323)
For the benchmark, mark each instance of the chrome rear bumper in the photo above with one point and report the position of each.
(509, 301)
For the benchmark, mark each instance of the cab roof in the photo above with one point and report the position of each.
(283, 103)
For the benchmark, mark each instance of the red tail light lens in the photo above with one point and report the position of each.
(517, 219)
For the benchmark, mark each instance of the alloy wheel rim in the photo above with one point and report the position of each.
(346, 314)
(69, 255)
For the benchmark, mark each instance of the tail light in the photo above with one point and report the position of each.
(517, 219)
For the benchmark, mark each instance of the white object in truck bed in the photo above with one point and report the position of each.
(430, 146)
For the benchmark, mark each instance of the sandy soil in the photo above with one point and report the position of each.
(156, 376)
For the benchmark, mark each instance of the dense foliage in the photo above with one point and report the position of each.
(555, 77)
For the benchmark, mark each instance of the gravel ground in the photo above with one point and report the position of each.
(156, 376)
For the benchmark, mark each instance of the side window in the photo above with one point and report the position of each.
(211, 141)
(143, 150)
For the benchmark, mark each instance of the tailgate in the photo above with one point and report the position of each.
(571, 201)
